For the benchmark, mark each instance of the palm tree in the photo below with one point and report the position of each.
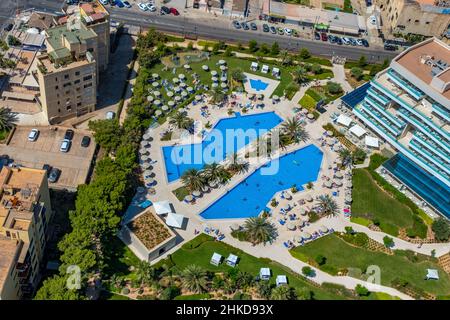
(327, 205)
(217, 96)
(215, 172)
(7, 118)
(237, 75)
(346, 157)
(277, 135)
(244, 279)
(194, 278)
(193, 179)
(116, 281)
(300, 75)
(181, 121)
(145, 273)
(283, 293)
(236, 165)
(259, 230)
(293, 129)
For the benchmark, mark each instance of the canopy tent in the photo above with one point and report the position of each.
(149, 98)
(175, 220)
(196, 193)
(305, 235)
(265, 68)
(281, 280)
(222, 62)
(344, 120)
(327, 184)
(309, 198)
(254, 66)
(205, 67)
(275, 71)
(216, 259)
(371, 142)
(358, 131)
(324, 229)
(432, 274)
(162, 207)
(264, 273)
(232, 260)
(338, 175)
(291, 226)
(188, 198)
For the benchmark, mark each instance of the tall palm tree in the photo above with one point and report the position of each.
(293, 129)
(7, 118)
(217, 96)
(278, 135)
(193, 179)
(283, 293)
(181, 121)
(327, 205)
(345, 156)
(145, 273)
(193, 278)
(116, 281)
(215, 172)
(244, 279)
(237, 75)
(259, 230)
(300, 75)
(236, 164)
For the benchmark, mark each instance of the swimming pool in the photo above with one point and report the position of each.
(251, 196)
(258, 85)
(223, 140)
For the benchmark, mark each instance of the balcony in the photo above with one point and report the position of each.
(429, 156)
(380, 98)
(380, 119)
(399, 123)
(444, 113)
(414, 92)
(430, 145)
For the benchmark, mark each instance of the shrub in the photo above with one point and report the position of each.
(252, 45)
(304, 53)
(388, 242)
(320, 259)
(316, 69)
(334, 87)
(170, 293)
(275, 49)
(441, 229)
(308, 271)
(361, 290)
(357, 73)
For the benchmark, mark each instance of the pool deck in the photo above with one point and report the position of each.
(273, 84)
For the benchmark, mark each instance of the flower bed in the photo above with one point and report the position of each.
(149, 230)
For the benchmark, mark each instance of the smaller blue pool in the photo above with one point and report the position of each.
(258, 85)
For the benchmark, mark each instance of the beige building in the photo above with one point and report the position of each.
(423, 17)
(25, 212)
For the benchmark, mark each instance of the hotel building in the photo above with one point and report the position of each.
(408, 106)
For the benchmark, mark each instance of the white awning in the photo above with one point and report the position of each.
(371, 142)
(357, 131)
(232, 259)
(216, 258)
(162, 207)
(254, 65)
(281, 279)
(344, 120)
(264, 273)
(275, 70)
(265, 68)
(432, 274)
(175, 220)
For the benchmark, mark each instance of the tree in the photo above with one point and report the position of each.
(283, 293)
(228, 52)
(253, 46)
(358, 155)
(215, 172)
(116, 281)
(334, 87)
(55, 288)
(145, 273)
(320, 259)
(441, 229)
(388, 242)
(237, 165)
(294, 130)
(327, 205)
(345, 156)
(361, 290)
(7, 118)
(107, 133)
(217, 96)
(193, 179)
(300, 75)
(357, 73)
(193, 278)
(264, 49)
(307, 271)
(264, 289)
(170, 293)
(243, 279)
(304, 294)
(275, 49)
(316, 68)
(304, 54)
(237, 75)
(180, 121)
(286, 58)
(259, 230)
(362, 62)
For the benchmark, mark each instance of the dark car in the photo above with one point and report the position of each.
(112, 2)
(236, 24)
(86, 141)
(253, 26)
(316, 36)
(47, 168)
(266, 28)
(324, 36)
(353, 42)
(245, 26)
(273, 30)
(54, 175)
(120, 4)
(338, 40)
(164, 10)
(390, 47)
(69, 134)
(8, 27)
(331, 38)
(174, 11)
(365, 43)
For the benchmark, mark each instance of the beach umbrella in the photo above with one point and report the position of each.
(198, 97)
(348, 199)
(144, 143)
(214, 73)
(223, 85)
(298, 239)
(330, 142)
(251, 95)
(181, 76)
(146, 136)
(310, 116)
(327, 184)
(205, 67)
(190, 89)
(187, 67)
(196, 193)
(170, 103)
(302, 211)
(223, 68)
(223, 79)
(144, 157)
(329, 133)
(182, 110)
(301, 223)
(222, 62)
(149, 181)
(177, 98)
(275, 97)
(158, 113)
(260, 96)
(146, 165)
(170, 94)
(148, 172)
(149, 98)
(177, 89)
(155, 76)
(184, 94)
(214, 79)
(189, 198)
(309, 198)
(338, 183)
(305, 235)
(183, 85)
(164, 108)
(155, 84)
(213, 184)
(305, 218)
(143, 151)
(205, 189)
(338, 175)
(350, 185)
(287, 196)
(157, 93)
(290, 226)
(175, 80)
(157, 102)
(323, 228)
(215, 85)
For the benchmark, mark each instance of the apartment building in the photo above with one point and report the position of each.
(424, 17)
(408, 106)
(25, 212)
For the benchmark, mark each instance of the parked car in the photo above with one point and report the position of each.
(54, 174)
(142, 6)
(245, 26)
(174, 11)
(273, 30)
(266, 28)
(359, 42)
(151, 7)
(110, 115)
(47, 168)
(288, 31)
(69, 134)
(33, 135)
(8, 27)
(65, 145)
(253, 26)
(390, 47)
(104, 2)
(86, 141)
(365, 43)
(164, 10)
(331, 38)
(120, 4)
(316, 36)
(236, 24)
(280, 31)
(112, 2)
(324, 36)
(127, 4)
(339, 40)
(346, 40)
(353, 42)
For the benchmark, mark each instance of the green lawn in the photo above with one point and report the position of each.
(308, 102)
(340, 254)
(370, 202)
(202, 248)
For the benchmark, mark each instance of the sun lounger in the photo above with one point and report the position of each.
(286, 245)
(282, 222)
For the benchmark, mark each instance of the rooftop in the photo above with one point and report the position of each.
(93, 12)
(8, 254)
(41, 20)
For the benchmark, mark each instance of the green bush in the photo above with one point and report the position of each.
(441, 229)
(308, 102)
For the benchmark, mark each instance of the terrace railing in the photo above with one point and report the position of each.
(415, 93)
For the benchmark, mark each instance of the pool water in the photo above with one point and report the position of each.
(258, 85)
(251, 196)
(195, 156)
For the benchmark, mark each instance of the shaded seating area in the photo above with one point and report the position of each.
(216, 259)
(264, 274)
(232, 260)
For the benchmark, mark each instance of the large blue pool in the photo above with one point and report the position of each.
(258, 85)
(251, 196)
(226, 138)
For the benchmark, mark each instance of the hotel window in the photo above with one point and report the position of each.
(87, 78)
(66, 76)
(56, 87)
(69, 108)
(67, 84)
(88, 85)
(76, 81)
(77, 73)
